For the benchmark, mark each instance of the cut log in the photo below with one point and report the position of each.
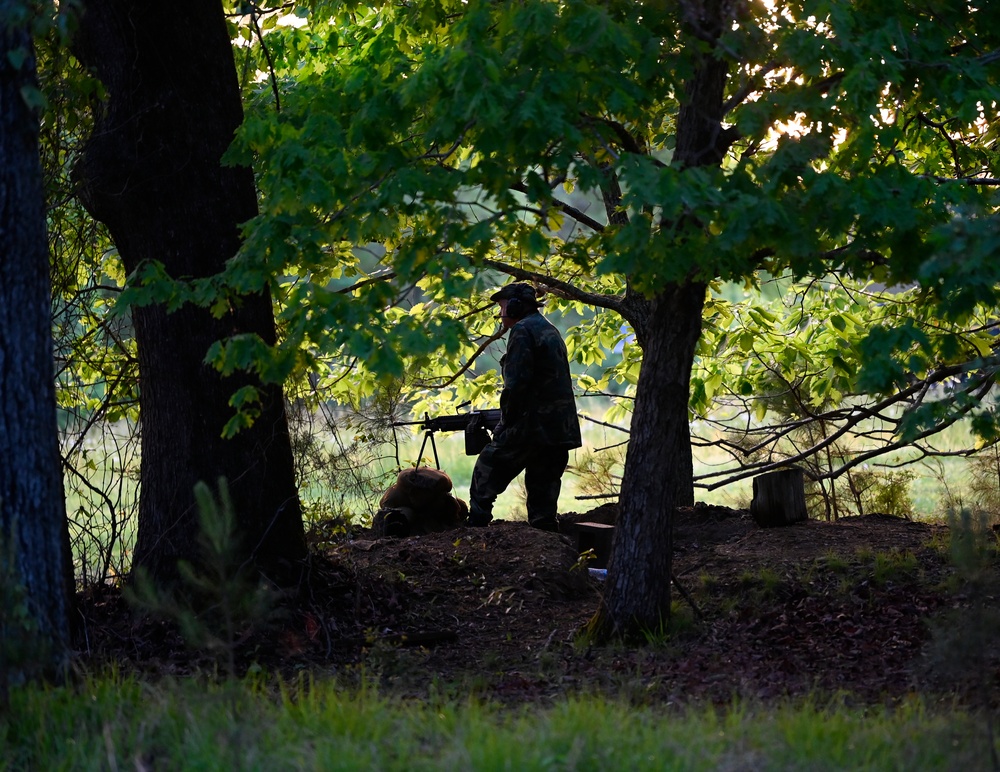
(779, 498)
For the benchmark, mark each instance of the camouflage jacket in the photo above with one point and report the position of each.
(537, 404)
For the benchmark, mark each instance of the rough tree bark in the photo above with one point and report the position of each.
(658, 470)
(151, 172)
(659, 474)
(34, 543)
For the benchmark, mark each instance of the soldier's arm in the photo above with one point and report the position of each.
(518, 376)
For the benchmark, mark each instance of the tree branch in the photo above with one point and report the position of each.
(984, 181)
(561, 288)
(566, 209)
(365, 282)
(458, 373)
(628, 142)
(851, 417)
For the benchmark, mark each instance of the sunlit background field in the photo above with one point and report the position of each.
(101, 493)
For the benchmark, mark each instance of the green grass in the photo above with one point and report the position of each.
(112, 723)
(760, 584)
(895, 565)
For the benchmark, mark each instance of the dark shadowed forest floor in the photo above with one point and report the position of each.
(840, 609)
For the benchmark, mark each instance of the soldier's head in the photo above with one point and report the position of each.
(516, 301)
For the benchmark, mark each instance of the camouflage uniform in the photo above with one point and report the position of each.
(538, 425)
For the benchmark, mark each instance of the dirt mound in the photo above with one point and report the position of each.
(829, 606)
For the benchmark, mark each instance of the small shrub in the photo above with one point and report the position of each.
(963, 641)
(709, 582)
(984, 479)
(880, 491)
(19, 639)
(222, 598)
(834, 561)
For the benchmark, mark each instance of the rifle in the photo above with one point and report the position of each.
(476, 424)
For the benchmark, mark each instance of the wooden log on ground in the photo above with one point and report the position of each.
(779, 498)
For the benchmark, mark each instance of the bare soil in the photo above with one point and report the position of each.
(842, 608)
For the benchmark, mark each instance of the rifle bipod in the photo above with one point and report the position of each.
(429, 435)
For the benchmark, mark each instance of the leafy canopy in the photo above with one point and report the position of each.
(420, 147)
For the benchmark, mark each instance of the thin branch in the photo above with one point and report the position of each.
(365, 282)
(602, 423)
(564, 289)
(107, 402)
(855, 416)
(267, 55)
(983, 181)
(941, 127)
(629, 143)
(874, 453)
(566, 209)
(458, 374)
(754, 83)
(475, 311)
(617, 445)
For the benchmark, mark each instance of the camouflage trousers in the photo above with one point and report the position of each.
(498, 465)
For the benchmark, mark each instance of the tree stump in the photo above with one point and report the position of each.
(779, 498)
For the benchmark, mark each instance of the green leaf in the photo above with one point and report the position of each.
(18, 56)
(33, 98)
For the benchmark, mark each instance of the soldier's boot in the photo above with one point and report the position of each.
(479, 517)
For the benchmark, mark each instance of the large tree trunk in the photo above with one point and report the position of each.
(35, 568)
(152, 173)
(658, 469)
(659, 472)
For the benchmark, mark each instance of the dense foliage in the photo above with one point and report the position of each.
(411, 148)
